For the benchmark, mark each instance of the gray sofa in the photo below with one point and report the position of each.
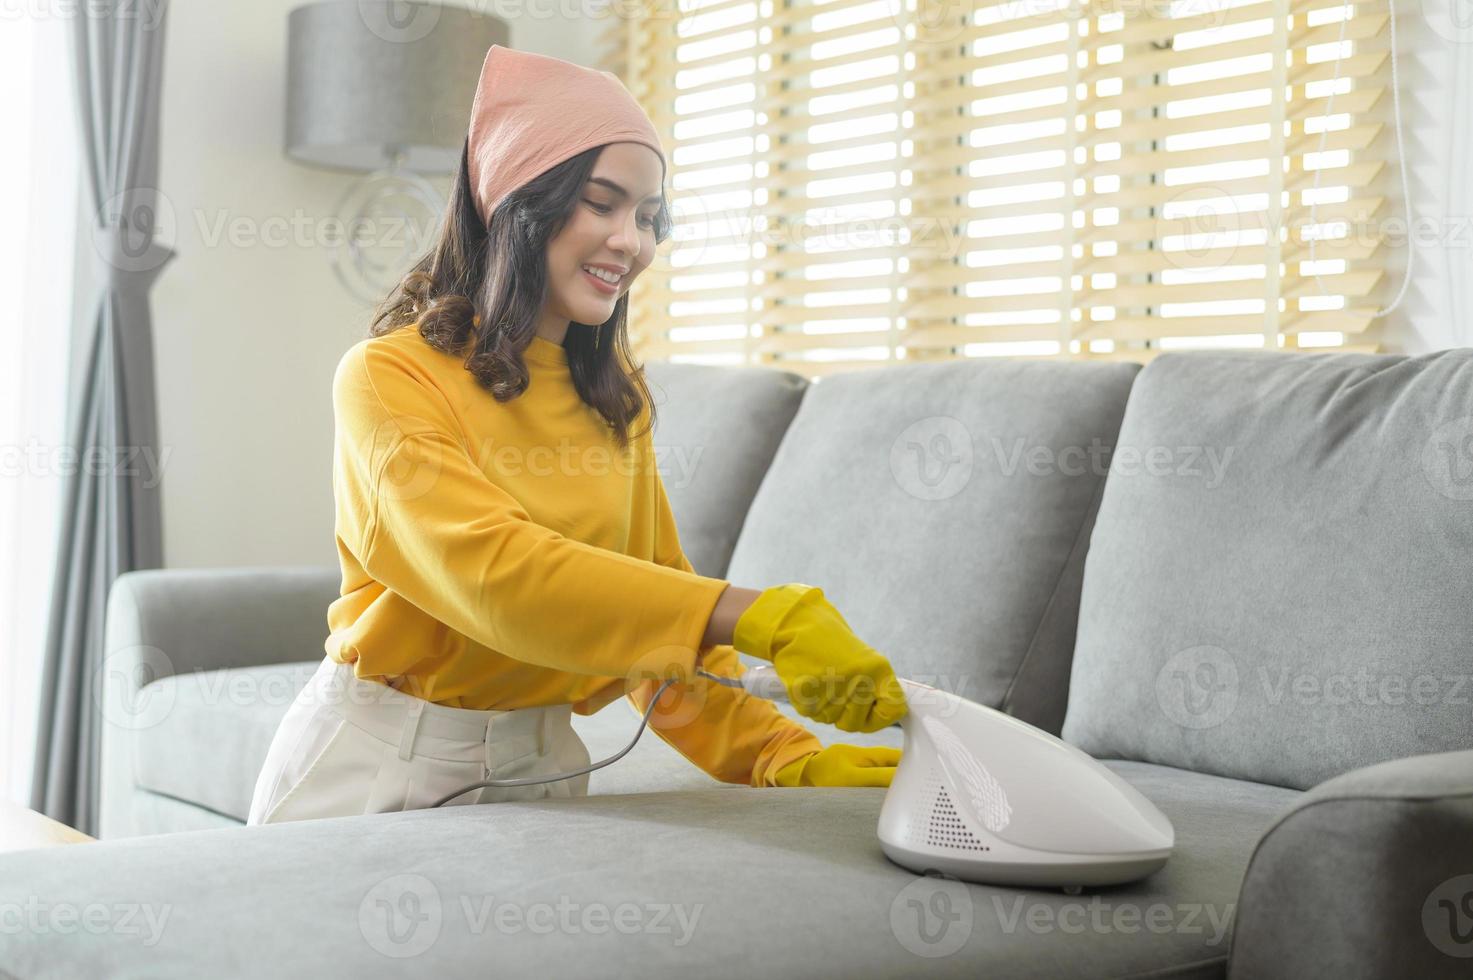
(1262, 617)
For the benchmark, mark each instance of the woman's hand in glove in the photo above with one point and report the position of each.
(842, 765)
(831, 675)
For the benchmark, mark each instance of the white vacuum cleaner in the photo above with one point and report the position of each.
(985, 797)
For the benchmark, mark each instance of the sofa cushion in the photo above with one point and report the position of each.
(1278, 584)
(166, 621)
(201, 737)
(209, 731)
(736, 882)
(944, 509)
(715, 431)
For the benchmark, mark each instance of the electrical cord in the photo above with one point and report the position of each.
(532, 780)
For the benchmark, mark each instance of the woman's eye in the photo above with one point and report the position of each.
(649, 222)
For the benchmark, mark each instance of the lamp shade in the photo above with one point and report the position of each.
(369, 80)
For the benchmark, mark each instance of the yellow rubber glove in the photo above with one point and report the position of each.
(842, 765)
(831, 675)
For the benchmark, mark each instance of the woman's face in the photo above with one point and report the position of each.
(613, 228)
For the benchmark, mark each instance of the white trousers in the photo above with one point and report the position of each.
(348, 746)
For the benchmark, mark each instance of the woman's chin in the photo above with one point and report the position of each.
(594, 313)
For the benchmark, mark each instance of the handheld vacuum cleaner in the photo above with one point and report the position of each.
(984, 797)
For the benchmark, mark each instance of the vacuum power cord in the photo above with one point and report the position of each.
(532, 780)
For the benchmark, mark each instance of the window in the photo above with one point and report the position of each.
(38, 196)
(1048, 178)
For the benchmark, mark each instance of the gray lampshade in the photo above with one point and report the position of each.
(367, 78)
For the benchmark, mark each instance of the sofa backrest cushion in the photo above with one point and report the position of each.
(716, 429)
(1286, 592)
(944, 511)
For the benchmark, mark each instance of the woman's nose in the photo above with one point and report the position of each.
(626, 239)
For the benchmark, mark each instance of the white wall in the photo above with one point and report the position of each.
(248, 334)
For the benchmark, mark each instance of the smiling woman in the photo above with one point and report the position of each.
(483, 293)
(561, 170)
(36, 244)
(489, 594)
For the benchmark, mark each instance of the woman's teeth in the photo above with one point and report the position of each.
(607, 277)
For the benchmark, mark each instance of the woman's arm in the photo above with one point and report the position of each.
(729, 608)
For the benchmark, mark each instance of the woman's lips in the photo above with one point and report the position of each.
(607, 288)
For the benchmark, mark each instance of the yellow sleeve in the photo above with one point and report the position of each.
(734, 736)
(426, 522)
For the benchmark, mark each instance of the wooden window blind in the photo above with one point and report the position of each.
(855, 183)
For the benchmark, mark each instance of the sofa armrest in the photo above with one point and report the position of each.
(1370, 874)
(163, 622)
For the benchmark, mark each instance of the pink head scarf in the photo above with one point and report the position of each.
(532, 112)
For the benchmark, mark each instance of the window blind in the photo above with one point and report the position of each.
(856, 183)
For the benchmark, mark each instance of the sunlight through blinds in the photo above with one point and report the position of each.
(855, 183)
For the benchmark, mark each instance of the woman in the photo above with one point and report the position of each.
(491, 585)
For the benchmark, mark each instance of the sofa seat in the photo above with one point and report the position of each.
(205, 750)
(728, 882)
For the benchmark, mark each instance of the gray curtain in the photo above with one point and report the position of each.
(110, 522)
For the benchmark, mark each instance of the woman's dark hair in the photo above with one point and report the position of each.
(500, 273)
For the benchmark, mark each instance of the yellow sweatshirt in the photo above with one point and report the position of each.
(508, 554)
